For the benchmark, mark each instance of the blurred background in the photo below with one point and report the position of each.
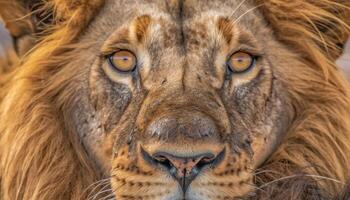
(343, 62)
(5, 39)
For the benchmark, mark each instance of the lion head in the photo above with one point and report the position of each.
(176, 99)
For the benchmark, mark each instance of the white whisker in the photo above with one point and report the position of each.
(112, 193)
(96, 185)
(265, 171)
(301, 175)
(248, 11)
(239, 5)
(110, 196)
(255, 187)
(102, 190)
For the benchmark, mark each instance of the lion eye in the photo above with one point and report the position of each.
(123, 61)
(240, 62)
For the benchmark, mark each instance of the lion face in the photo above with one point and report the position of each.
(182, 99)
(177, 99)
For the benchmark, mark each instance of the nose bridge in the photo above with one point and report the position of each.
(181, 71)
(182, 125)
(196, 108)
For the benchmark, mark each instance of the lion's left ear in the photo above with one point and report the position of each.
(310, 24)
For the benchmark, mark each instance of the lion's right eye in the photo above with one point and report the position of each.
(123, 61)
(241, 62)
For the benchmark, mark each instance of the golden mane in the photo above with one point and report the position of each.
(40, 155)
(317, 146)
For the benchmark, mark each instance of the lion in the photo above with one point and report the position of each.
(175, 99)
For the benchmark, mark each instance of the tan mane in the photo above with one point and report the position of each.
(40, 156)
(318, 143)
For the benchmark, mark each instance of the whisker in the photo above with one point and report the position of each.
(265, 171)
(102, 190)
(112, 193)
(92, 185)
(108, 191)
(96, 185)
(255, 187)
(236, 9)
(325, 178)
(97, 182)
(301, 175)
(110, 196)
(248, 11)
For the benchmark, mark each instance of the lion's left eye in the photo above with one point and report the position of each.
(240, 62)
(123, 61)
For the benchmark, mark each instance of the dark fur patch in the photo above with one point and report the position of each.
(226, 27)
(142, 24)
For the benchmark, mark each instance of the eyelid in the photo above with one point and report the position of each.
(253, 51)
(111, 49)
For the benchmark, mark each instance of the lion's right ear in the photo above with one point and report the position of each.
(16, 17)
(23, 19)
(32, 18)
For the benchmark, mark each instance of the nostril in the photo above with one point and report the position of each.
(206, 160)
(160, 158)
(163, 161)
(182, 163)
(188, 164)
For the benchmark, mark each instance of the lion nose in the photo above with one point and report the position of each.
(184, 168)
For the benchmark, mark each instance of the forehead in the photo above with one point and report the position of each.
(180, 20)
(179, 10)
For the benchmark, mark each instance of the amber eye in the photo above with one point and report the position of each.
(123, 60)
(240, 62)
